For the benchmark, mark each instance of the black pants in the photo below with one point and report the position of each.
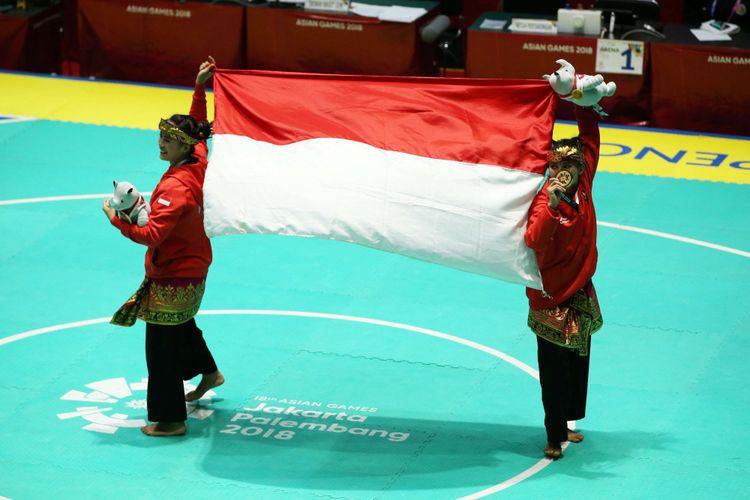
(173, 353)
(564, 376)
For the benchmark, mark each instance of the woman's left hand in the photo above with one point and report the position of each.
(108, 211)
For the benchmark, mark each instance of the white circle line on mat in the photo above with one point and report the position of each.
(675, 237)
(541, 464)
(48, 199)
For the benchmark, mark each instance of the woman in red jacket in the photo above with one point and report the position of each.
(562, 232)
(177, 260)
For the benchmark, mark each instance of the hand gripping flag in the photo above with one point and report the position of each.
(442, 170)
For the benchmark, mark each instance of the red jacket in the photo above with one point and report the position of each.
(565, 240)
(177, 243)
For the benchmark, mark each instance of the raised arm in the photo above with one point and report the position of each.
(588, 131)
(585, 91)
(205, 72)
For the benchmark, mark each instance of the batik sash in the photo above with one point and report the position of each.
(162, 301)
(571, 323)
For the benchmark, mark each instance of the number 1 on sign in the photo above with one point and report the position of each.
(628, 60)
(610, 55)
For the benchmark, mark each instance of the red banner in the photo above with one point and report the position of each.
(13, 30)
(701, 88)
(30, 41)
(157, 42)
(295, 40)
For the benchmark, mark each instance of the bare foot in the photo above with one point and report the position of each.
(208, 382)
(165, 429)
(553, 450)
(574, 437)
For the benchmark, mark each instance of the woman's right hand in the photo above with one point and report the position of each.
(205, 71)
(554, 189)
(109, 212)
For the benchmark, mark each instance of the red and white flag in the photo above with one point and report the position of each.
(441, 170)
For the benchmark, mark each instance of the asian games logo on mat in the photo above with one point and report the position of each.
(110, 403)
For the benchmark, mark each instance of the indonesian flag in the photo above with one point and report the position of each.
(442, 170)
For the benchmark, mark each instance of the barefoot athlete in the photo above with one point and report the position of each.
(177, 260)
(562, 232)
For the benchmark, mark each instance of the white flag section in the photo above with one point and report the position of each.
(438, 170)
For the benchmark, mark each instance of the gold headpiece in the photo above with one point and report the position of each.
(173, 132)
(566, 153)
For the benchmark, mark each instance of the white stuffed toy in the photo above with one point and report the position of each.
(582, 90)
(129, 204)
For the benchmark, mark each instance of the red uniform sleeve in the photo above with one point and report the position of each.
(588, 131)
(543, 222)
(198, 111)
(167, 205)
(198, 107)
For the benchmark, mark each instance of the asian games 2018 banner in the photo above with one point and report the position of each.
(442, 170)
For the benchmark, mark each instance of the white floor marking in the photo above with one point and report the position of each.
(48, 199)
(48, 329)
(668, 236)
(4, 120)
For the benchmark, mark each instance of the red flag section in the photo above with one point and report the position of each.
(488, 122)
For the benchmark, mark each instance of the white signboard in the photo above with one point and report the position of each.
(619, 56)
(522, 25)
(329, 5)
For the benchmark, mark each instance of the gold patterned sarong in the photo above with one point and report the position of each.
(571, 323)
(162, 301)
